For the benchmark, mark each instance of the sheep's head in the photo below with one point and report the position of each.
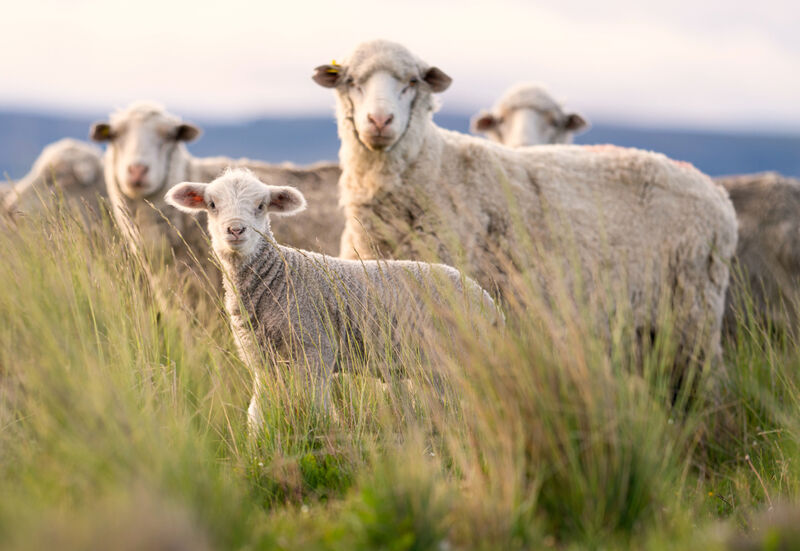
(528, 115)
(73, 167)
(378, 86)
(238, 206)
(143, 139)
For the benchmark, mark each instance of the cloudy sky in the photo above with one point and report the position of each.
(716, 64)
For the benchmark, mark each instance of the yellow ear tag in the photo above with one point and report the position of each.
(334, 68)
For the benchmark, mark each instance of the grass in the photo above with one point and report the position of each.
(123, 419)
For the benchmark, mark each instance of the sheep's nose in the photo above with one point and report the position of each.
(236, 231)
(380, 121)
(136, 172)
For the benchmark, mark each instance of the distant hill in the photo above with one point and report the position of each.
(305, 140)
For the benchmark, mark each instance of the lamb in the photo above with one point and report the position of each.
(73, 167)
(413, 190)
(302, 303)
(528, 115)
(146, 155)
(767, 207)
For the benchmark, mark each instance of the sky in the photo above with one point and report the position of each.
(705, 64)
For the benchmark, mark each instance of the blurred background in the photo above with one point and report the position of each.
(715, 83)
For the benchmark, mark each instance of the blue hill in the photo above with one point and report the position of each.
(305, 140)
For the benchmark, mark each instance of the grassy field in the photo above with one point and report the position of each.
(123, 425)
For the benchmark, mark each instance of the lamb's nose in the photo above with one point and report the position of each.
(236, 231)
(380, 121)
(136, 172)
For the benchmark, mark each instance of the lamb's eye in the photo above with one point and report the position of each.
(211, 205)
(413, 82)
(260, 207)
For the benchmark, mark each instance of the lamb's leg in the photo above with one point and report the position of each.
(321, 360)
(255, 417)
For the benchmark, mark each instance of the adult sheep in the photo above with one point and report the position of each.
(410, 188)
(766, 204)
(528, 115)
(146, 155)
(768, 251)
(71, 168)
(306, 305)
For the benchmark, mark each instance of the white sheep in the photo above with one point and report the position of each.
(410, 188)
(146, 155)
(71, 168)
(303, 304)
(528, 115)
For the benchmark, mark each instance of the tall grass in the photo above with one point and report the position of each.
(123, 419)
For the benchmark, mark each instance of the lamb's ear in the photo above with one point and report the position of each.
(437, 79)
(100, 132)
(328, 76)
(285, 200)
(483, 122)
(575, 123)
(188, 197)
(187, 132)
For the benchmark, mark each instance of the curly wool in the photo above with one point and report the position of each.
(167, 232)
(626, 215)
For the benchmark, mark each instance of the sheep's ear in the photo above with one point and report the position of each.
(328, 76)
(188, 196)
(186, 132)
(285, 200)
(575, 123)
(437, 79)
(100, 132)
(483, 122)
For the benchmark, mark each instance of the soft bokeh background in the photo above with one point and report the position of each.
(715, 82)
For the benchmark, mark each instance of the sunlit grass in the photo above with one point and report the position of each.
(123, 418)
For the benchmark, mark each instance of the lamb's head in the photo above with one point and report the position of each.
(143, 141)
(69, 165)
(238, 206)
(379, 87)
(528, 115)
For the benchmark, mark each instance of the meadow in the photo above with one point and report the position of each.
(123, 425)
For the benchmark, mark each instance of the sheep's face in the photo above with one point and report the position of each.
(238, 207)
(142, 147)
(528, 126)
(379, 87)
(381, 106)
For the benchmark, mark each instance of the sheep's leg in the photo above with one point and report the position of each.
(321, 360)
(255, 417)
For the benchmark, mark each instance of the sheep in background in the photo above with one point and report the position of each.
(768, 253)
(72, 167)
(146, 155)
(410, 189)
(301, 302)
(528, 115)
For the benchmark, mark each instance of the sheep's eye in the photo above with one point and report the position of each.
(413, 82)
(260, 207)
(211, 205)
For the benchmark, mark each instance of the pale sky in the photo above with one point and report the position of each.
(715, 64)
